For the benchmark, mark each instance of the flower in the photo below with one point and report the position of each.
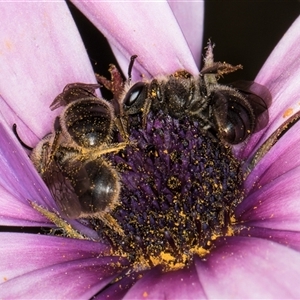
(266, 248)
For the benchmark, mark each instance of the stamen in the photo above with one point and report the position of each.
(179, 191)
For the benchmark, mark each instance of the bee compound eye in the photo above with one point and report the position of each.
(88, 121)
(135, 98)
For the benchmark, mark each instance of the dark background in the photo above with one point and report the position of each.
(244, 31)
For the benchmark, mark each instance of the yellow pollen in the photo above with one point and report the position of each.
(288, 112)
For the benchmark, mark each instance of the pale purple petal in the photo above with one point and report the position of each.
(75, 280)
(281, 75)
(119, 290)
(17, 248)
(8, 115)
(287, 238)
(190, 16)
(16, 213)
(151, 31)
(275, 205)
(34, 266)
(181, 284)
(19, 182)
(278, 161)
(272, 188)
(250, 268)
(41, 51)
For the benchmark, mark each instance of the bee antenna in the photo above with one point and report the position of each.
(132, 59)
(19, 139)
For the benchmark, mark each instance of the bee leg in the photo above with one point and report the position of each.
(122, 125)
(114, 147)
(68, 230)
(146, 110)
(115, 84)
(213, 70)
(112, 223)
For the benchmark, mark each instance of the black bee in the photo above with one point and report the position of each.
(231, 112)
(70, 159)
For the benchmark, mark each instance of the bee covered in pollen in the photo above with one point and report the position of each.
(70, 159)
(230, 112)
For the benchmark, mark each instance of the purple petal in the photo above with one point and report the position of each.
(182, 284)
(250, 268)
(190, 16)
(283, 157)
(145, 29)
(19, 182)
(76, 280)
(285, 237)
(281, 75)
(15, 213)
(276, 205)
(273, 187)
(16, 250)
(61, 268)
(41, 52)
(8, 115)
(123, 285)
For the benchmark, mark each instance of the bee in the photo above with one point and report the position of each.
(70, 159)
(231, 113)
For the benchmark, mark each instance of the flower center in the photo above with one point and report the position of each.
(180, 187)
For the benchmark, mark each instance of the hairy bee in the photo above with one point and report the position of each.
(70, 159)
(230, 112)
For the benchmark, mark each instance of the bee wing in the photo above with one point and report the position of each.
(72, 92)
(62, 191)
(233, 115)
(259, 98)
